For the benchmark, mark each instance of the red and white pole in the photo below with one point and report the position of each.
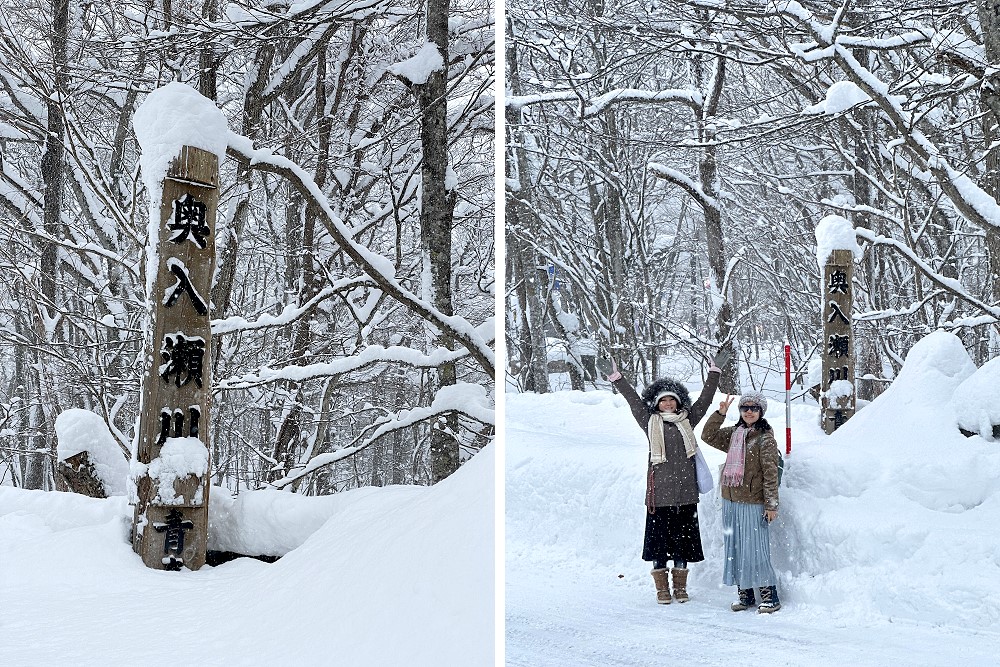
(788, 399)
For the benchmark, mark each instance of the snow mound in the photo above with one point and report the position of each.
(390, 576)
(913, 411)
(975, 401)
(272, 523)
(84, 431)
(421, 570)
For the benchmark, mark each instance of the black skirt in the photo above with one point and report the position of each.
(673, 532)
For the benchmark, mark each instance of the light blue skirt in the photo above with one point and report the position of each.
(747, 547)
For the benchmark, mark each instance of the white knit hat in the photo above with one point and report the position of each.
(656, 400)
(754, 398)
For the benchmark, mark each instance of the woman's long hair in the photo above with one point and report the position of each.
(759, 425)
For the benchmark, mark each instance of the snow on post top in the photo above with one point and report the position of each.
(171, 117)
(419, 67)
(178, 459)
(835, 233)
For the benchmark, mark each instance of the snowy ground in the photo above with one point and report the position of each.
(886, 545)
(390, 576)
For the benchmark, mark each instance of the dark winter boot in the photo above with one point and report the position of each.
(769, 602)
(746, 600)
(680, 575)
(662, 582)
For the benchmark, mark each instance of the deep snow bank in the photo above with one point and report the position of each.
(892, 516)
(398, 575)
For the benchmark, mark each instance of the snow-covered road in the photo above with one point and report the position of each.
(880, 561)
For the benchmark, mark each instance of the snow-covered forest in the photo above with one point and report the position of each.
(675, 173)
(352, 305)
(667, 164)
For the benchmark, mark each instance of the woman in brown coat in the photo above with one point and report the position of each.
(749, 483)
(667, 417)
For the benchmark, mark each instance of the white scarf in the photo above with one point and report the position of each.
(657, 451)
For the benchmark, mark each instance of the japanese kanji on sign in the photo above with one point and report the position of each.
(170, 530)
(838, 396)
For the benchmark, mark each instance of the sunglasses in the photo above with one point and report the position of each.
(749, 408)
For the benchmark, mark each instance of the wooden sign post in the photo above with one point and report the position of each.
(838, 402)
(170, 529)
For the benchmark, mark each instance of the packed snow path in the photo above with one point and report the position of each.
(886, 545)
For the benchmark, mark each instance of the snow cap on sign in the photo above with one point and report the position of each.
(835, 232)
(173, 116)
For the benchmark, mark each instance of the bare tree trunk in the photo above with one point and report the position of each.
(53, 177)
(708, 173)
(253, 111)
(520, 223)
(304, 276)
(437, 208)
(208, 59)
(531, 329)
(990, 180)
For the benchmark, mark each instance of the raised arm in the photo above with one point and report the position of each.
(701, 406)
(635, 403)
(713, 435)
(609, 369)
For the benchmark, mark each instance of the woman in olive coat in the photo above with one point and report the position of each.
(749, 483)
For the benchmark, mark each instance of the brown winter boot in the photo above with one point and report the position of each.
(746, 600)
(662, 585)
(680, 575)
(769, 602)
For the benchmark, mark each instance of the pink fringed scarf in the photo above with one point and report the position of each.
(732, 472)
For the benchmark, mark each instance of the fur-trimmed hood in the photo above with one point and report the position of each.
(671, 385)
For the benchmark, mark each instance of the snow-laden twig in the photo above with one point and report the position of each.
(289, 313)
(373, 354)
(594, 105)
(687, 183)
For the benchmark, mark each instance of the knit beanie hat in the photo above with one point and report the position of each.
(656, 400)
(754, 398)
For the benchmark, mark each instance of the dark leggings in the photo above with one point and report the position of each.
(678, 563)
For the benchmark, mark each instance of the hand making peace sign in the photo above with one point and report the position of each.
(724, 405)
